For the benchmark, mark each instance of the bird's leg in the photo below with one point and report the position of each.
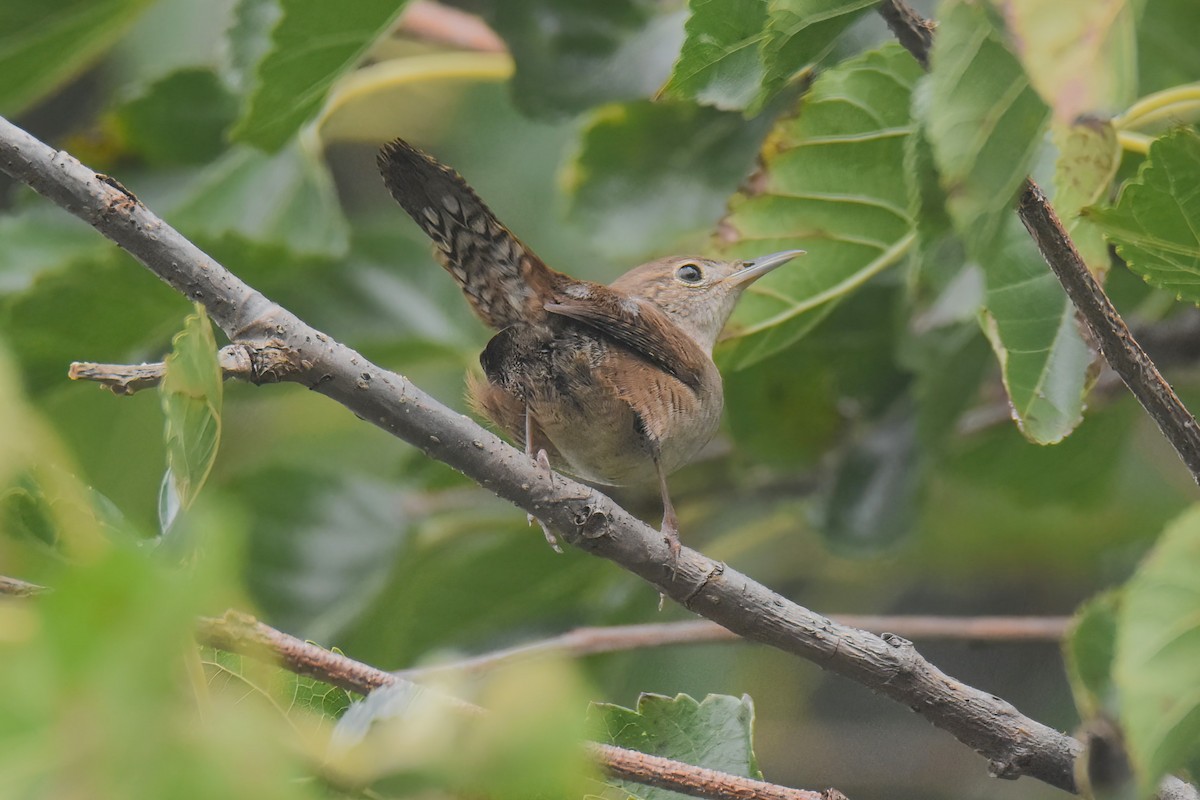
(543, 461)
(670, 523)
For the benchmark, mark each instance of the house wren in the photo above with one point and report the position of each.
(615, 383)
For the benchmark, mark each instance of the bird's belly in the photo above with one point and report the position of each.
(603, 440)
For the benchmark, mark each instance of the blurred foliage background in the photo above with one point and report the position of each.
(869, 461)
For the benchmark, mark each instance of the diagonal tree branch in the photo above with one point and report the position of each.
(1117, 344)
(1014, 744)
(243, 634)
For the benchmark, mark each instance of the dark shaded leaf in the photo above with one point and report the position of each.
(181, 119)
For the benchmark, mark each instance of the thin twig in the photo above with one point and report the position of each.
(125, 379)
(243, 634)
(1120, 349)
(618, 638)
(1015, 744)
(15, 587)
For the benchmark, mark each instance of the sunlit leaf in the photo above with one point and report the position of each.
(1080, 55)
(1088, 157)
(833, 185)
(191, 392)
(1158, 646)
(44, 45)
(312, 45)
(1156, 221)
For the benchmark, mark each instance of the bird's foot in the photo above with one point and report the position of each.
(543, 461)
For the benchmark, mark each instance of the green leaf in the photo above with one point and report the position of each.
(1158, 647)
(1088, 157)
(38, 239)
(984, 122)
(800, 33)
(286, 199)
(43, 47)
(870, 501)
(1080, 55)
(652, 176)
(832, 184)
(719, 64)
(312, 45)
(717, 733)
(577, 54)
(1165, 48)
(1089, 650)
(1035, 336)
(323, 548)
(1156, 221)
(181, 119)
(191, 392)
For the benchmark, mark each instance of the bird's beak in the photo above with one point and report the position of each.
(753, 270)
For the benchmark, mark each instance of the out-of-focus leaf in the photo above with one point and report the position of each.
(172, 36)
(180, 120)
(1080, 55)
(575, 54)
(799, 34)
(38, 239)
(297, 696)
(42, 47)
(716, 733)
(1088, 652)
(1158, 647)
(105, 660)
(650, 176)
(323, 548)
(1156, 221)
(1088, 157)
(843, 373)
(191, 392)
(833, 185)
(286, 199)
(312, 45)
(105, 308)
(1034, 333)
(984, 122)
(870, 503)
(719, 64)
(1166, 55)
(249, 38)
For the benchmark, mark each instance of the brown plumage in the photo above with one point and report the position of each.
(614, 383)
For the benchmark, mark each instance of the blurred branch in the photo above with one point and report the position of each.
(434, 22)
(618, 638)
(1120, 349)
(243, 634)
(1015, 744)
(15, 587)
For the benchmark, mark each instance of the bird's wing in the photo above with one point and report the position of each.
(504, 280)
(636, 325)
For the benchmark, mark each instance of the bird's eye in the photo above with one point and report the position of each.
(689, 273)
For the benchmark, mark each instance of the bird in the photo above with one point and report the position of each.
(614, 384)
